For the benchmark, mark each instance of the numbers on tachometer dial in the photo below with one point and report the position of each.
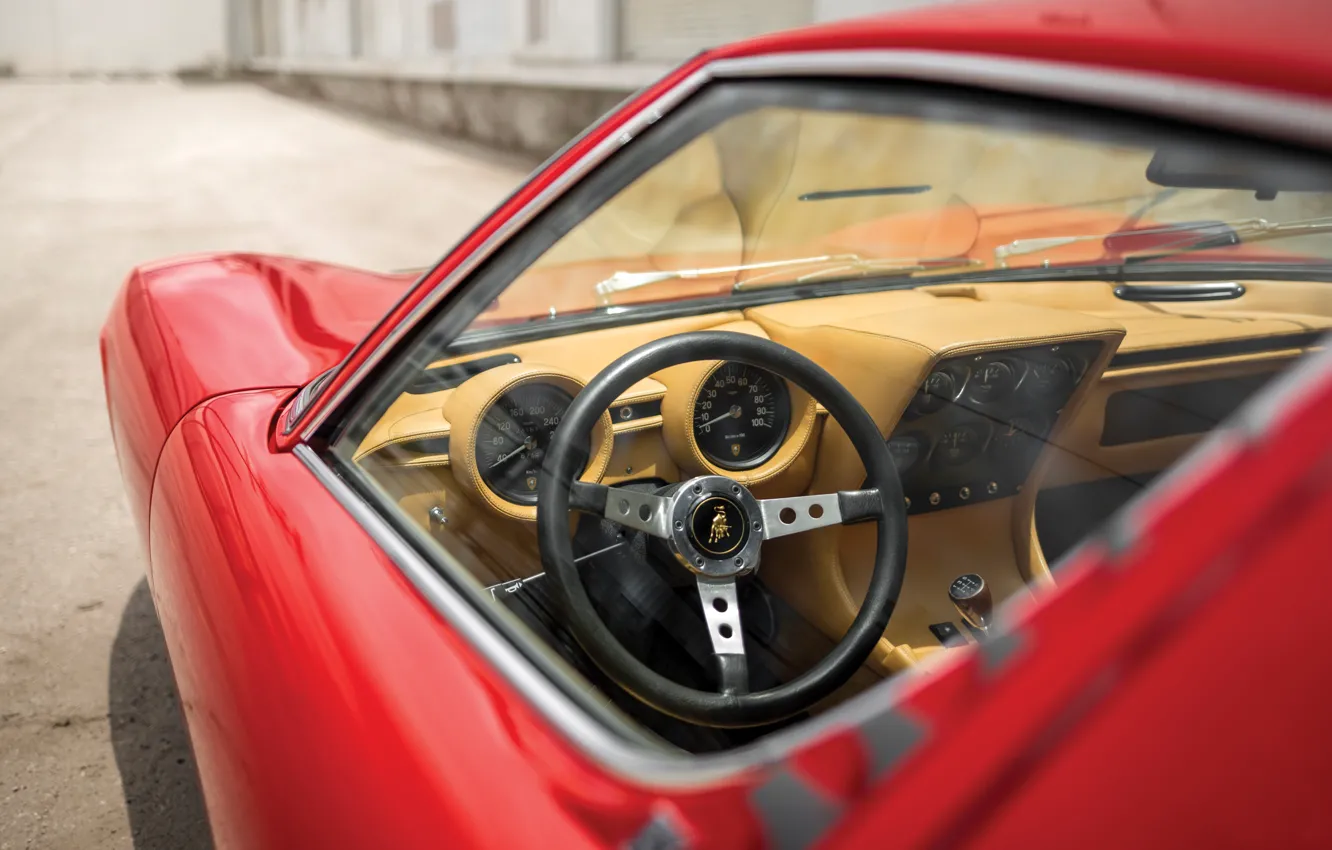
(741, 416)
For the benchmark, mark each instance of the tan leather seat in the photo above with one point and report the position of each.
(969, 170)
(678, 215)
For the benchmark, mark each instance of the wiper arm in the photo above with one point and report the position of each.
(1248, 230)
(1193, 229)
(1192, 236)
(622, 281)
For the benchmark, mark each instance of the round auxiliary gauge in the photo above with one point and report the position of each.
(1048, 378)
(939, 388)
(959, 444)
(741, 416)
(992, 382)
(1021, 435)
(906, 450)
(513, 436)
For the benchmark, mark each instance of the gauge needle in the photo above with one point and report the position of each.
(527, 445)
(733, 413)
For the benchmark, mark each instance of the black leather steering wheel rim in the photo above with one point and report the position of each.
(567, 455)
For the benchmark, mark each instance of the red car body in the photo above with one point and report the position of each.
(1171, 692)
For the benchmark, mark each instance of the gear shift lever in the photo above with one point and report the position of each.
(971, 596)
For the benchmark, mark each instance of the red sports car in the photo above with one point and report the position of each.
(782, 464)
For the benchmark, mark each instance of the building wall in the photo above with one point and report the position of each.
(102, 36)
(561, 32)
(520, 75)
(670, 30)
(153, 36)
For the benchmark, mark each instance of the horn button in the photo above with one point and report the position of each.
(716, 527)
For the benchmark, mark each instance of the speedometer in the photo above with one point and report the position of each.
(741, 416)
(513, 437)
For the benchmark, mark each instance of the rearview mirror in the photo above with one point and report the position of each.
(1234, 168)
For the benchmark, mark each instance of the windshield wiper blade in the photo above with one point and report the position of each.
(880, 267)
(1034, 245)
(623, 281)
(1170, 239)
(1248, 230)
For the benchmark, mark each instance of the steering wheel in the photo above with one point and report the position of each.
(685, 516)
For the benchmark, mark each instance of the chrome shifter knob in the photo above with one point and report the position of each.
(971, 596)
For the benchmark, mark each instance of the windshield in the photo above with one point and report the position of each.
(785, 194)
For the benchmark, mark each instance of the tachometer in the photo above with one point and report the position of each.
(741, 416)
(513, 437)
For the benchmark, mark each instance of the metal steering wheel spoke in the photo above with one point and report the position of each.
(804, 513)
(644, 512)
(721, 612)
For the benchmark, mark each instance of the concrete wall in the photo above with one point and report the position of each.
(102, 36)
(533, 120)
(836, 10)
(522, 75)
(533, 31)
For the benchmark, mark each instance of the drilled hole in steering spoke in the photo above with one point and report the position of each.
(719, 604)
(644, 513)
(624, 507)
(787, 515)
(725, 630)
(816, 510)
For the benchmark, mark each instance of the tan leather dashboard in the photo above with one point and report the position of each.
(882, 346)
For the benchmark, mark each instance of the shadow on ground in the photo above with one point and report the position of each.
(166, 808)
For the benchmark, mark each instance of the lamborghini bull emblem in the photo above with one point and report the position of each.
(717, 526)
(735, 450)
(721, 529)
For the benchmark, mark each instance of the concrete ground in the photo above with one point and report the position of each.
(93, 179)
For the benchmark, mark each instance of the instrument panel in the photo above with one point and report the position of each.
(971, 433)
(978, 422)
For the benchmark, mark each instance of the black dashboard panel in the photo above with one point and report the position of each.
(1133, 416)
(979, 421)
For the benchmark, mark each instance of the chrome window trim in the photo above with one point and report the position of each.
(1282, 117)
(1270, 113)
(599, 153)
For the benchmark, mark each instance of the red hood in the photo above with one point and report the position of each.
(184, 330)
(243, 321)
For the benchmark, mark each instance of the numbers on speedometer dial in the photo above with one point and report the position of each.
(513, 437)
(741, 416)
